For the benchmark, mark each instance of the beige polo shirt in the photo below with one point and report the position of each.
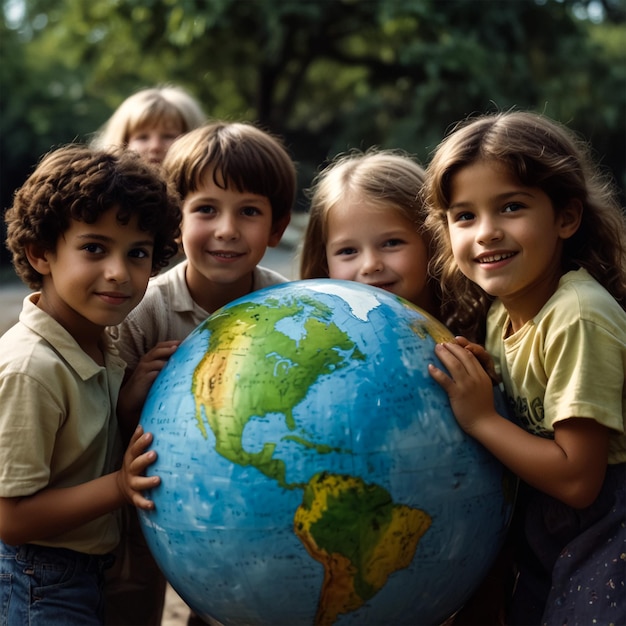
(57, 419)
(168, 312)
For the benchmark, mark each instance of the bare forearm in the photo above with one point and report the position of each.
(570, 467)
(555, 469)
(54, 511)
(137, 384)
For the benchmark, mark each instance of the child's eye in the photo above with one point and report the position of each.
(345, 251)
(512, 207)
(250, 211)
(139, 253)
(93, 248)
(463, 216)
(206, 209)
(392, 243)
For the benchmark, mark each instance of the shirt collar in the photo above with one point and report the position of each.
(42, 324)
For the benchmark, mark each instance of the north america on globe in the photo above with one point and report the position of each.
(226, 396)
(338, 512)
(312, 472)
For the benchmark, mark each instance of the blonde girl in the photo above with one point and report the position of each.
(366, 224)
(530, 233)
(150, 120)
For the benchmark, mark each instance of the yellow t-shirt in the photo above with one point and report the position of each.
(568, 361)
(57, 419)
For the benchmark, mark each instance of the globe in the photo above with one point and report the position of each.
(311, 470)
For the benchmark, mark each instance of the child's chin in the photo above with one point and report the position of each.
(111, 320)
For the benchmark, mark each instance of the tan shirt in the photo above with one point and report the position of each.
(57, 419)
(168, 312)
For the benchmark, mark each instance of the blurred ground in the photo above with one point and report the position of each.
(12, 293)
(281, 259)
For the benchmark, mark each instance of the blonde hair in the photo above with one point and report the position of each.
(149, 107)
(235, 154)
(384, 177)
(540, 153)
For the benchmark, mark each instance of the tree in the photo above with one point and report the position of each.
(328, 75)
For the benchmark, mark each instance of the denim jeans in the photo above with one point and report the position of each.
(41, 586)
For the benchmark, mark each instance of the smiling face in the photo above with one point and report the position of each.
(507, 237)
(377, 245)
(96, 275)
(225, 233)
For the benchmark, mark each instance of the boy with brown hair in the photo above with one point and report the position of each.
(238, 185)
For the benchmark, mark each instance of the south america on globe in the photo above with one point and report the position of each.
(312, 472)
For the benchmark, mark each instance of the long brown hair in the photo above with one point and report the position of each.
(540, 153)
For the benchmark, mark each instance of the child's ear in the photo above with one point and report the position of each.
(38, 257)
(569, 218)
(278, 228)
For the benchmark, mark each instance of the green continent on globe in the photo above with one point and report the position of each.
(359, 535)
(251, 369)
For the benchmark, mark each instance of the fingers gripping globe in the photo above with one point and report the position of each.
(312, 472)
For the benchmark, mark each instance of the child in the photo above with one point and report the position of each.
(366, 224)
(87, 229)
(238, 185)
(150, 120)
(522, 218)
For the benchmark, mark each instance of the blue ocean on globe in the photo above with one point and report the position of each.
(312, 472)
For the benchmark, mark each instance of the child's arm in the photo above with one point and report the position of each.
(50, 512)
(135, 388)
(570, 467)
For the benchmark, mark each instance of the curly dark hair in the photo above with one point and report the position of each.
(77, 182)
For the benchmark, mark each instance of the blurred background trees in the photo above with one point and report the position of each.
(326, 75)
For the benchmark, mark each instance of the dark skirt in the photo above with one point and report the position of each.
(571, 562)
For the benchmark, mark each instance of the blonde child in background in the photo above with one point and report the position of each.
(529, 230)
(150, 120)
(366, 224)
(87, 230)
(238, 185)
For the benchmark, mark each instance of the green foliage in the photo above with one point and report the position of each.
(328, 75)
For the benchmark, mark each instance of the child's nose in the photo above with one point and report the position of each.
(225, 227)
(488, 231)
(371, 263)
(117, 270)
(157, 144)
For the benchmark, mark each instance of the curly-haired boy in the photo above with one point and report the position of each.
(86, 230)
